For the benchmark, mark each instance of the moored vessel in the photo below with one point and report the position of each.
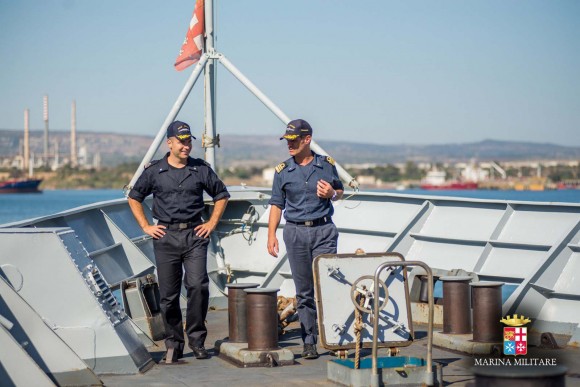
(20, 186)
(436, 180)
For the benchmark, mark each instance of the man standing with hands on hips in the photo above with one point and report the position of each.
(304, 188)
(180, 237)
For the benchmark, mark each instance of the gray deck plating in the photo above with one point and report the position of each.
(218, 372)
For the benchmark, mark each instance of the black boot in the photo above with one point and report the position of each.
(309, 351)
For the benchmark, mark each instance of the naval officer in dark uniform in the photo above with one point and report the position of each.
(181, 237)
(304, 187)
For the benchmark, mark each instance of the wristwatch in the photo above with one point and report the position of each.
(333, 198)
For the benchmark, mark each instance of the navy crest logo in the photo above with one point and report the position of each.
(515, 335)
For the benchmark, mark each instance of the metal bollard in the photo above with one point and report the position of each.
(486, 301)
(424, 290)
(456, 311)
(237, 312)
(500, 376)
(262, 319)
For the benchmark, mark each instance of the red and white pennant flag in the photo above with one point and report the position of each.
(193, 45)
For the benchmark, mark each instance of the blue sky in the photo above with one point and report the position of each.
(390, 72)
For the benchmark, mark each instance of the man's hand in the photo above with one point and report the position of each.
(324, 190)
(273, 222)
(204, 230)
(155, 231)
(273, 246)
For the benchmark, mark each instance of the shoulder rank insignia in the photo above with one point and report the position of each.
(280, 167)
(150, 164)
(330, 160)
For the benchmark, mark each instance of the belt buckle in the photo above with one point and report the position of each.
(182, 226)
(309, 223)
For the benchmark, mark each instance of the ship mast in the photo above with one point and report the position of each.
(208, 63)
(73, 135)
(209, 137)
(45, 117)
(26, 159)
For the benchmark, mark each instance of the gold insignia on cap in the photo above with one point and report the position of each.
(330, 160)
(291, 136)
(183, 136)
(280, 167)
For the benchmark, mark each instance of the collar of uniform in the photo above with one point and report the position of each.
(291, 164)
(164, 164)
(317, 162)
(194, 164)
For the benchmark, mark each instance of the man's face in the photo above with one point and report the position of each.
(179, 149)
(298, 145)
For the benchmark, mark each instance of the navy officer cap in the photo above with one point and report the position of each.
(295, 129)
(180, 130)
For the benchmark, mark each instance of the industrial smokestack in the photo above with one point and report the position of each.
(26, 140)
(73, 135)
(45, 109)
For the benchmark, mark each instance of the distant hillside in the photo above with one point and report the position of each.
(273, 151)
(483, 150)
(116, 148)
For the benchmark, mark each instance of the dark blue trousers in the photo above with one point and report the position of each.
(303, 244)
(176, 251)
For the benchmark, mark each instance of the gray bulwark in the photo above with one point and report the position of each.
(49, 352)
(51, 270)
(16, 367)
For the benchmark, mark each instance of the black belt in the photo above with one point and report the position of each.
(179, 226)
(312, 223)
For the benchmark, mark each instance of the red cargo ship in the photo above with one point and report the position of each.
(435, 180)
(451, 185)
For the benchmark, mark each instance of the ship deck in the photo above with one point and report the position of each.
(219, 372)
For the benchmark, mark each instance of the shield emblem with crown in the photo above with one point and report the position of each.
(515, 335)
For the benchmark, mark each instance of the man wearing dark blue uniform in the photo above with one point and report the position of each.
(304, 187)
(180, 237)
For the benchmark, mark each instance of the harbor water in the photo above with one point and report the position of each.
(15, 207)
